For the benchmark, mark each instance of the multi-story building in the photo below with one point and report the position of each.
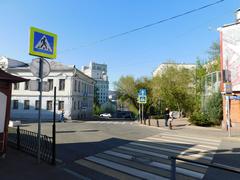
(162, 67)
(99, 73)
(75, 92)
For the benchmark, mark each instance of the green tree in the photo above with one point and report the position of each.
(127, 90)
(175, 88)
(96, 104)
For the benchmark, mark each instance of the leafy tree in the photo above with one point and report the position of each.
(127, 90)
(175, 88)
(96, 104)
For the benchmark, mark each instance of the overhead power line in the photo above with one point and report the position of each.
(153, 24)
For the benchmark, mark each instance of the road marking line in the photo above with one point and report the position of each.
(174, 151)
(126, 169)
(182, 146)
(76, 174)
(144, 152)
(178, 170)
(181, 142)
(194, 138)
(121, 155)
(153, 154)
(188, 140)
(160, 165)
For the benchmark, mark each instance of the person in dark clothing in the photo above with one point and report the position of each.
(166, 116)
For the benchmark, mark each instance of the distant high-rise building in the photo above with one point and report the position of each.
(99, 73)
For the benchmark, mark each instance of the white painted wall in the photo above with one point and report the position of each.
(69, 96)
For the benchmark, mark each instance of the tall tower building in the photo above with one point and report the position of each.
(99, 73)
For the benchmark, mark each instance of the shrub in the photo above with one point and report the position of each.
(200, 119)
(214, 108)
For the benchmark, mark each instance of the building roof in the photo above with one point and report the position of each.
(4, 76)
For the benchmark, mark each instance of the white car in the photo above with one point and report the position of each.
(106, 115)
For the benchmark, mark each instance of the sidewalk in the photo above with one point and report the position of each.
(21, 166)
(228, 154)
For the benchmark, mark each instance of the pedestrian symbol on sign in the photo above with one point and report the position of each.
(44, 44)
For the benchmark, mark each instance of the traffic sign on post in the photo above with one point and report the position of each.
(42, 43)
(142, 96)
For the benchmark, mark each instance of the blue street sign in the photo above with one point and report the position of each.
(142, 92)
(142, 96)
(234, 97)
(42, 43)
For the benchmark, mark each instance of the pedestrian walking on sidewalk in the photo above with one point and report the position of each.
(62, 116)
(170, 119)
(166, 116)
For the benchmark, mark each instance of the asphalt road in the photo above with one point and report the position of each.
(127, 150)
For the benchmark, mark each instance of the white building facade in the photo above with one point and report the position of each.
(74, 92)
(99, 73)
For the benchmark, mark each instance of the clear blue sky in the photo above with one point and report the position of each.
(79, 22)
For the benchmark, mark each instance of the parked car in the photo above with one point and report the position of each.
(106, 115)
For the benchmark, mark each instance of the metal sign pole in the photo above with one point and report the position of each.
(139, 112)
(142, 113)
(54, 129)
(228, 115)
(40, 109)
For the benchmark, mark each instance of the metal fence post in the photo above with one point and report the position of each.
(18, 137)
(173, 168)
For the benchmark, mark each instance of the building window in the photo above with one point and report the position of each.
(26, 104)
(50, 84)
(16, 86)
(75, 85)
(26, 85)
(79, 86)
(15, 104)
(37, 105)
(60, 105)
(61, 84)
(74, 107)
(78, 104)
(49, 105)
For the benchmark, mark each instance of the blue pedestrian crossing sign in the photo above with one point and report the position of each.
(142, 92)
(142, 96)
(42, 43)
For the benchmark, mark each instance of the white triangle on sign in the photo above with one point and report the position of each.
(44, 44)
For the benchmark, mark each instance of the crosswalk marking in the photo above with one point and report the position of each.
(187, 140)
(181, 142)
(179, 146)
(148, 158)
(179, 170)
(174, 151)
(187, 137)
(160, 165)
(129, 170)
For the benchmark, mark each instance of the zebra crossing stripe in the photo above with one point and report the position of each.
(144, 152)
(121, 155)
(181, 147)
(193, 138)
(178, 170)
(173, 151)
(126, 169)
(180, 142)
(189, 140)
(160, 165)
